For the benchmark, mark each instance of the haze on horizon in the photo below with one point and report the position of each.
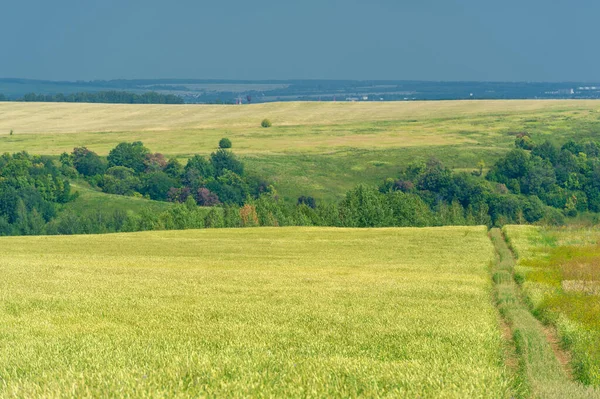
(474, 40)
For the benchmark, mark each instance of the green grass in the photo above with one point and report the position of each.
(271, 312)
(560, 270)
(90, 198)
(318, 149)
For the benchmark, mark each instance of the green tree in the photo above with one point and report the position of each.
(86, 162)
(120, 180)
(225, 143)
(222, 160)
(156, 185)
(129, 155)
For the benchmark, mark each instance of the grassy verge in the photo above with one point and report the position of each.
(542, 374)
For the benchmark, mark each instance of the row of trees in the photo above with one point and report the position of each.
(132, 169)
(110, 97)
(539, 183)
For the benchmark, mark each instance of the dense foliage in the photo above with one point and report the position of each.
(544, 183)
(131, 169)
(31, 187)
(110, 97)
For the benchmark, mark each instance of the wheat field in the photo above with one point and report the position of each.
(265, 312)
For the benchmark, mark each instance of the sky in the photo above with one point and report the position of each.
(440, 40)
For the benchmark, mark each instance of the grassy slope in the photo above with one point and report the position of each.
(340, 144)
(547, 273)
(92, 199)
(283, 312)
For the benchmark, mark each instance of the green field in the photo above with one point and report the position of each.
(560, 274)
(273, 312)
(319, 149)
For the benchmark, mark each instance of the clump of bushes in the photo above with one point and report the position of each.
(225, 143)
(266, 123)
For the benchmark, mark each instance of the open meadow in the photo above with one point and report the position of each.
(318, 149)
(273, 312)
(559, 269)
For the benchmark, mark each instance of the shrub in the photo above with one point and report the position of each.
(225, 143)
(266, 123)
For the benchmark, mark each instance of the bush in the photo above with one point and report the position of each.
(266, 123)
(225, 143)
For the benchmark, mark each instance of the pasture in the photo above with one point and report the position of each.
(319, 149)
(273, 312)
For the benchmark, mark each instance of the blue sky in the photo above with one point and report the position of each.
(527, 40)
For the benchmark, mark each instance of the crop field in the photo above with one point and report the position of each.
(273, 312)
(560, 273)
(337, 145)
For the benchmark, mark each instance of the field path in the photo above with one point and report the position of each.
(544, 375)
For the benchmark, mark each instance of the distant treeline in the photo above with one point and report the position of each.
(108, 97)
(533, 183)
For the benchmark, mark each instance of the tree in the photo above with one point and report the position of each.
(222, 160)
(155, 162)
(178, 194)
(204, 197)
(129, 155)
(197, 171)
(214, 219)
(266, 123)
(86, 162)
(548, 151)
(230, 188)
(174, 169)
(157, 185)
(365, 207)
(120, 180)
(225, 143)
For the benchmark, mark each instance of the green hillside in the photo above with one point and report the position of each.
(318, 149)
